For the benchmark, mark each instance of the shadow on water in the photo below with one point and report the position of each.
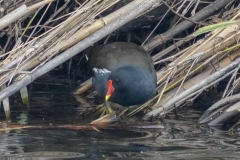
(61, 133)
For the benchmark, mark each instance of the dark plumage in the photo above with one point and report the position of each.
(128, 69)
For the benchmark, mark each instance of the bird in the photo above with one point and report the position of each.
(123, 73)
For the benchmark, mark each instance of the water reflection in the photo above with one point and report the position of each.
(59, 132)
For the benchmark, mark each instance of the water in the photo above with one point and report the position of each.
(58, 132)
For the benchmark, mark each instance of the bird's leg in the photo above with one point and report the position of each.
(107, 109)
(104, 112)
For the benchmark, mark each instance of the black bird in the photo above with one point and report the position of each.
(123, 73)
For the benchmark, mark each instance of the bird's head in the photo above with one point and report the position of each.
(121, 81)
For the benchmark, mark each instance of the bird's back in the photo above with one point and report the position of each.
(120, 54)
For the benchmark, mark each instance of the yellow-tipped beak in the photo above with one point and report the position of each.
(110, 90)
(107, 97)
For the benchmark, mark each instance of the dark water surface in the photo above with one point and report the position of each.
(60, 133)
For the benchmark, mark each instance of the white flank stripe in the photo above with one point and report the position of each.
(101, 71)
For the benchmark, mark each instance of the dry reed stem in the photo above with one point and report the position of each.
(20, 12)
(166, 107)
(128, 16)
(227, 37)
(81, 24)
(204, 13)
(200, 77)
(42, 44)
(13, 16)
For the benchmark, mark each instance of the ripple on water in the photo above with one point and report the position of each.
(46, 155)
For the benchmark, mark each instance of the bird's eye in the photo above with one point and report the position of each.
(116, 80)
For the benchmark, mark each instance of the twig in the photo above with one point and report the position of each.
(165, 3)
(210, 9)
(231, 79)
(4, 6)
(228, 113)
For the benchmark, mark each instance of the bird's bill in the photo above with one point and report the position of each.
(107, 97)
(109, 91)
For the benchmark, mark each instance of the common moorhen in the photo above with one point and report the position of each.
(123, 73)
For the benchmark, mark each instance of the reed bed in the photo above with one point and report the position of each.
(198, 48)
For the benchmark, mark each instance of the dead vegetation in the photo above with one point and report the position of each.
(194, 44)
